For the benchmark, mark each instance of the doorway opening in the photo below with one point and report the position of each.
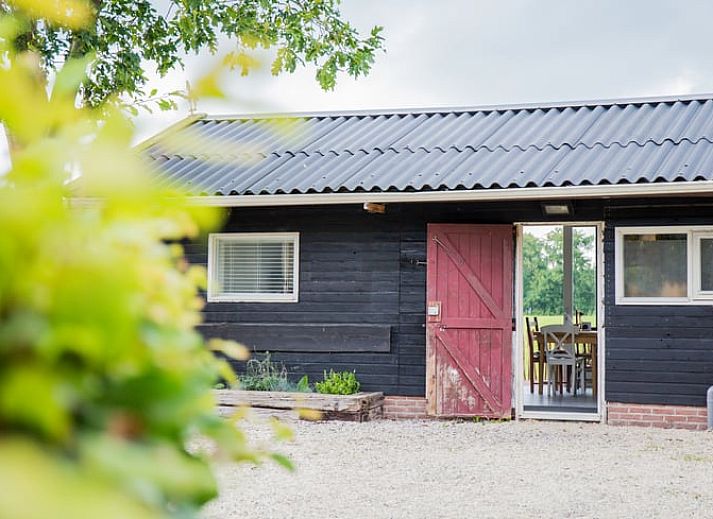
(559, 361)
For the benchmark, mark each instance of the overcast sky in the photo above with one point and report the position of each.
(482, 52)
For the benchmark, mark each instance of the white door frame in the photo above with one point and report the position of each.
(519, 336)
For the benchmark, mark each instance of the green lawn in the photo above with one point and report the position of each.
(545, 320)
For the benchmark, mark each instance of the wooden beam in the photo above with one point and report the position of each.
(568, 274)
(345, 338)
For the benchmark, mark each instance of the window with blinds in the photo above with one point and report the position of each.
(253, 267)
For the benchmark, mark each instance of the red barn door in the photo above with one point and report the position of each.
(469, 320)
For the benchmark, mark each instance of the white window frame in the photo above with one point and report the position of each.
(698, 293)
(214, 297)
(694, 296)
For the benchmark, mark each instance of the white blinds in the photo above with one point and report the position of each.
(246, 265)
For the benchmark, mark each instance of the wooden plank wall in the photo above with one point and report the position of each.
(356, 269)
(351, 275)
(361, 269)
(656, 354)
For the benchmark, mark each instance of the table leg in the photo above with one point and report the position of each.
(594, 369)
(541, 367)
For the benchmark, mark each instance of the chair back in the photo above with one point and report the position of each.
(530, 337)
(560, 341)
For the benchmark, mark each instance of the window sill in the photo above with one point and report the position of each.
(253, 299)
(664, 302)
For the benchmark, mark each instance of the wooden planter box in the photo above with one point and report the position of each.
(359, 407)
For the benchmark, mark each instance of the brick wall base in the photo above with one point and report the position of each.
(665, 416)
(404, 407)
(641, 415)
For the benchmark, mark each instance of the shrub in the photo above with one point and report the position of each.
(267, 375)
(104, 382)
(343, 383)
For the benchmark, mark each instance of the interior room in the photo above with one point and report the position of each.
(560, 312)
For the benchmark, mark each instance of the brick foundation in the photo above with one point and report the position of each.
(640, 415)
(400, 407)
(665, 416)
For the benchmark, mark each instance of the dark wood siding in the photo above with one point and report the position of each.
(358, 269)
(355, 269)
(358, 307)
(656, 354)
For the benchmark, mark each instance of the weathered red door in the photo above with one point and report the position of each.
(469, 320)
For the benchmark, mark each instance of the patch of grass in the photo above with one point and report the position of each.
(546, 320)
(697, 458)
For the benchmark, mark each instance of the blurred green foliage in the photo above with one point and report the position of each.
(122, 37)
(104, 383)
(338, 383)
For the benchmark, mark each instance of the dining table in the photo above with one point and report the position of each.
(587, 338)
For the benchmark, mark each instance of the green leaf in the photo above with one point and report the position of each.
(38, 484)
(34, 397)
(283, 461)
(226, 372)
(156, 471)
(282, 432)
(231, 349)
(71, 76)
(303, 384)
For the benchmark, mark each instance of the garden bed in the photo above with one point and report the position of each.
(359, 407)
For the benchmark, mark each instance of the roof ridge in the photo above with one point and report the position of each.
(467, 109)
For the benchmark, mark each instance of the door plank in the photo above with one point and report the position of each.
(470, 276)
(476, 322)
(485, 392)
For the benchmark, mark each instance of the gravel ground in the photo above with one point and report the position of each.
(465, 469)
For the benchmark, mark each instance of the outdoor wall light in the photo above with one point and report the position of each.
(371, 207)
(557, 209)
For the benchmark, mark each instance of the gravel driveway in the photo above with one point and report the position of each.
(450, 469)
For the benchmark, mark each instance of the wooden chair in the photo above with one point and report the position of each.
(578, 314)
(563, 354)
(534, 355)
(582, 350)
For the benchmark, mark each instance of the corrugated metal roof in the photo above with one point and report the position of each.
(596, 143)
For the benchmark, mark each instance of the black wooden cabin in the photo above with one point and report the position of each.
(360, 288)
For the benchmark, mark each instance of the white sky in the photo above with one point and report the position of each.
(476, 52)
(482, 52)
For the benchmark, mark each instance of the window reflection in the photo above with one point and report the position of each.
(655, 265)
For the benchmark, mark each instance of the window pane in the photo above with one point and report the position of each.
(655, 265)
(707, 264)
(255, 267)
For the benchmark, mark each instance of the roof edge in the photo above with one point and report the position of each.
(693, 188)
(465, 109)
(168, 130)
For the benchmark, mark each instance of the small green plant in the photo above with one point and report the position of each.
(267, 375)
(303, 385)
(342, 383)
(263, 374)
